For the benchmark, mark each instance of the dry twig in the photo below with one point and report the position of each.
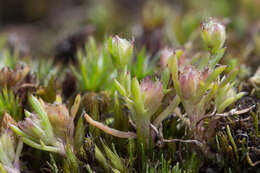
(109, 130)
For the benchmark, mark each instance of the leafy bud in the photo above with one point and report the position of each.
(30, 124)
(190, 79)
(121, 50)
(50, 128)
(213, 34)
(60, 119)
(153, 94)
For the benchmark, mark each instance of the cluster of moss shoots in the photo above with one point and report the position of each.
(175, 113)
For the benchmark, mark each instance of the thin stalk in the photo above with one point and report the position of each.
(18, 153)
(121, 121)
(109, 130)
(255, 118)
(72, 160)
(143, 132)
(232, 142)
(41, 147)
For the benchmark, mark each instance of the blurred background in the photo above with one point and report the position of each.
(57, 28)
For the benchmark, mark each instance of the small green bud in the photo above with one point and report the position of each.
(121, 51)
(213, 34)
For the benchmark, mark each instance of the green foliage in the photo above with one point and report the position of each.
(164, 167)
(95, 68)
(143, 100)
(45, 70)
(11, 104)
(178, 105)
(111, 160)
(45, 129)
(52, 164)
(10, 152)
(192, 164)
(40, 133)
(9, 58)
(143, 65)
